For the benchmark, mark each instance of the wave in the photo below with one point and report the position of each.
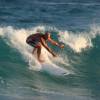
(80, 41)
(16, 38)
(77, 41)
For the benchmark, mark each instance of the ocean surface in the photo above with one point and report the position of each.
(76, 24)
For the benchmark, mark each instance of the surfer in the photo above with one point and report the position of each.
(38, 40)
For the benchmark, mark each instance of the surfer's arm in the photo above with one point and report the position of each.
(55, 43)
(46, 46)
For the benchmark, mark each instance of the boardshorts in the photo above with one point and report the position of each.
(33, 43)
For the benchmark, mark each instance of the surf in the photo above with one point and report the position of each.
(16, 39)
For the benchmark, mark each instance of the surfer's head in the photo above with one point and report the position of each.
(47, 35)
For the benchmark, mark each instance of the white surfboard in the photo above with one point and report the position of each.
(54, 69)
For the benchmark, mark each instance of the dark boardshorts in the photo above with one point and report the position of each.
(32, 43)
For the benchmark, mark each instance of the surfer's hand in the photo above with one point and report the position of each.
(54, 55)
(61, 46)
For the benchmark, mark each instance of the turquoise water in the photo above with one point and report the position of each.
(75, 24)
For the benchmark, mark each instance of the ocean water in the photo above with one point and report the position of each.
(76, 24)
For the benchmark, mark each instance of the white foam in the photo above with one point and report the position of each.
(1, 31)
(80, 40)
(16, 38)
(76, 41)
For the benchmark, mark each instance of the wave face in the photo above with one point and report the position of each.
(72, 22)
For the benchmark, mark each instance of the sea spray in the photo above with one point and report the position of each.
(76, 41)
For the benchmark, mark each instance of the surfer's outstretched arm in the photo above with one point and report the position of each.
(56, 43)
(46, 46)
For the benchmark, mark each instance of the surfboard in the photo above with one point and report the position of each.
(54, 69)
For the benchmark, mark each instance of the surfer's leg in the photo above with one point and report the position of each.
(38, 55)
(34, 50)
(39, 52)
